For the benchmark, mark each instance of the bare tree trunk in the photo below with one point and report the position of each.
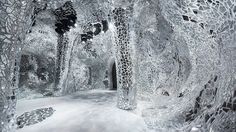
(13, 23)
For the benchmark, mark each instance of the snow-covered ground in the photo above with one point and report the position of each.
(92, 111)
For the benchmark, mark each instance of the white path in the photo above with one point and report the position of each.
(93, 111)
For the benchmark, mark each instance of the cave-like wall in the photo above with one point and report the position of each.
(187, 51)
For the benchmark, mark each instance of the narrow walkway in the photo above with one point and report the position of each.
(93, 111)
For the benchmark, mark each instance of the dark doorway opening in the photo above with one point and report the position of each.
(114, 78)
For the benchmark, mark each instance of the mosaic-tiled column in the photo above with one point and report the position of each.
(62, 47)
(124, 53)
(14, 20)
(65, 19)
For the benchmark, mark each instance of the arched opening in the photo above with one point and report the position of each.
(113, 77)
(111, 74)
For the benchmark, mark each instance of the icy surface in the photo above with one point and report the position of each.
(93, 111)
